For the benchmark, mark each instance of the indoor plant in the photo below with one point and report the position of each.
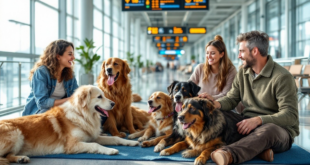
(87, 60)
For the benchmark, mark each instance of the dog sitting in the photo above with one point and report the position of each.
(113, 80)
(70, 128)
(206, 129)
(179, 91)
(161, 123)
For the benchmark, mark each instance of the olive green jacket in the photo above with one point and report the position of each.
(272, 96)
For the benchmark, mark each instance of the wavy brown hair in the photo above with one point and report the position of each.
(48, 59)
(225, 63)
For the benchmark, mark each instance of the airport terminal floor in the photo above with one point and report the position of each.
(145, 85)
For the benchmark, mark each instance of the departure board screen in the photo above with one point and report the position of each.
(164, 5)
(153, 30)
(164, 45)
(170, 48)
(170, 39)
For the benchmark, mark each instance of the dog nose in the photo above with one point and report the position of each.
(181, 118)
(109, 70)
(150, 102)
(178, 97)
(112, 104)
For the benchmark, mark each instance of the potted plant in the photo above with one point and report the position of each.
(130, 60)
(139, 64)
(87, 60)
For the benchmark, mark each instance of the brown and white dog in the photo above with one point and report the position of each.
(161, 123)
(113, 80)
(73, 127)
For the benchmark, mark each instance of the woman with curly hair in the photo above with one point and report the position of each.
(216, 75)
(52, 79)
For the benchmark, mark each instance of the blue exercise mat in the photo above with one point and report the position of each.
(295, 155)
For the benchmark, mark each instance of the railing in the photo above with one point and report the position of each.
(9, 86)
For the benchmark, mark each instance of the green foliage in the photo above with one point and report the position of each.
(193, 57)
(148, 63)
(138, 62)
(88, 59)
(130, 58)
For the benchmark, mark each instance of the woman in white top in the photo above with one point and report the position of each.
(216, 75)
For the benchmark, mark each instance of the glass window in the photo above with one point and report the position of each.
(107, 53)
(106, 40)
(107, 6)
(69, 29)
(69, 7)
(17, 23)
(98, 41)
(98, 4)
(53, 3)
(302, 28)
(115, 47)
(107, 24)
(116, 12)
(97, 19)
(45, 32)
(115, 29)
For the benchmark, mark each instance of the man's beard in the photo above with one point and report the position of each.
(249, 62)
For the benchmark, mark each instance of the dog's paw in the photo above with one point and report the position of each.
(23, 159)
(199, 161)
(112, 152)
(121, 135)
(141, 139)
(131, 143)
(187, 154)
(164, 153)
(159, 147)
(146, 144)
(131, 136)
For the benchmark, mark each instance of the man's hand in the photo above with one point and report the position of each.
(247, 125)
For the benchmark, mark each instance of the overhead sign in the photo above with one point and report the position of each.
(164, 45)
(170, 39)
(164, 5)
(169, 48)
(176, 30)
(171, 52)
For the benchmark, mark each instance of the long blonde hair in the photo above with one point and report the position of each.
(225, 63)
(48, 58)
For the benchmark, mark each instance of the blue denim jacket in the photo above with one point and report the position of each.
(42, 87)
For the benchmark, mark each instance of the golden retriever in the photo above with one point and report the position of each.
(161, 123)
(113, 80)
(73, 127)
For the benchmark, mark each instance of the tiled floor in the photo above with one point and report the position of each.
(145, 86)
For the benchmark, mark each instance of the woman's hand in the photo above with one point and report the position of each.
(207, 96)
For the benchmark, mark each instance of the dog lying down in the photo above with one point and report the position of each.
(73, 127)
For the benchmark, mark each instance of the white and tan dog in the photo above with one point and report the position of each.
(73, 127)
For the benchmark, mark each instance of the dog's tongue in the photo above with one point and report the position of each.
(186, 125)
(111, 80)
(105, 112)
(178, 107)
(151, 109)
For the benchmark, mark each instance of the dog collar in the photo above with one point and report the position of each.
(169, 115)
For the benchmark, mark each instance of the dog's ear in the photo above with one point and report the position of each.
(126, 68)
(84, 97)
(102, 72)
(206, 105)
(195, 88)
(171, 86)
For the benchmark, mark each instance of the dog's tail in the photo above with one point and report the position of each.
(136, 98)
(4, 161)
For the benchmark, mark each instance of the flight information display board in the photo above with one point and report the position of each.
(164, 5)
(170, 48)
(175, 30)
(164, 45)
(170, 39)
